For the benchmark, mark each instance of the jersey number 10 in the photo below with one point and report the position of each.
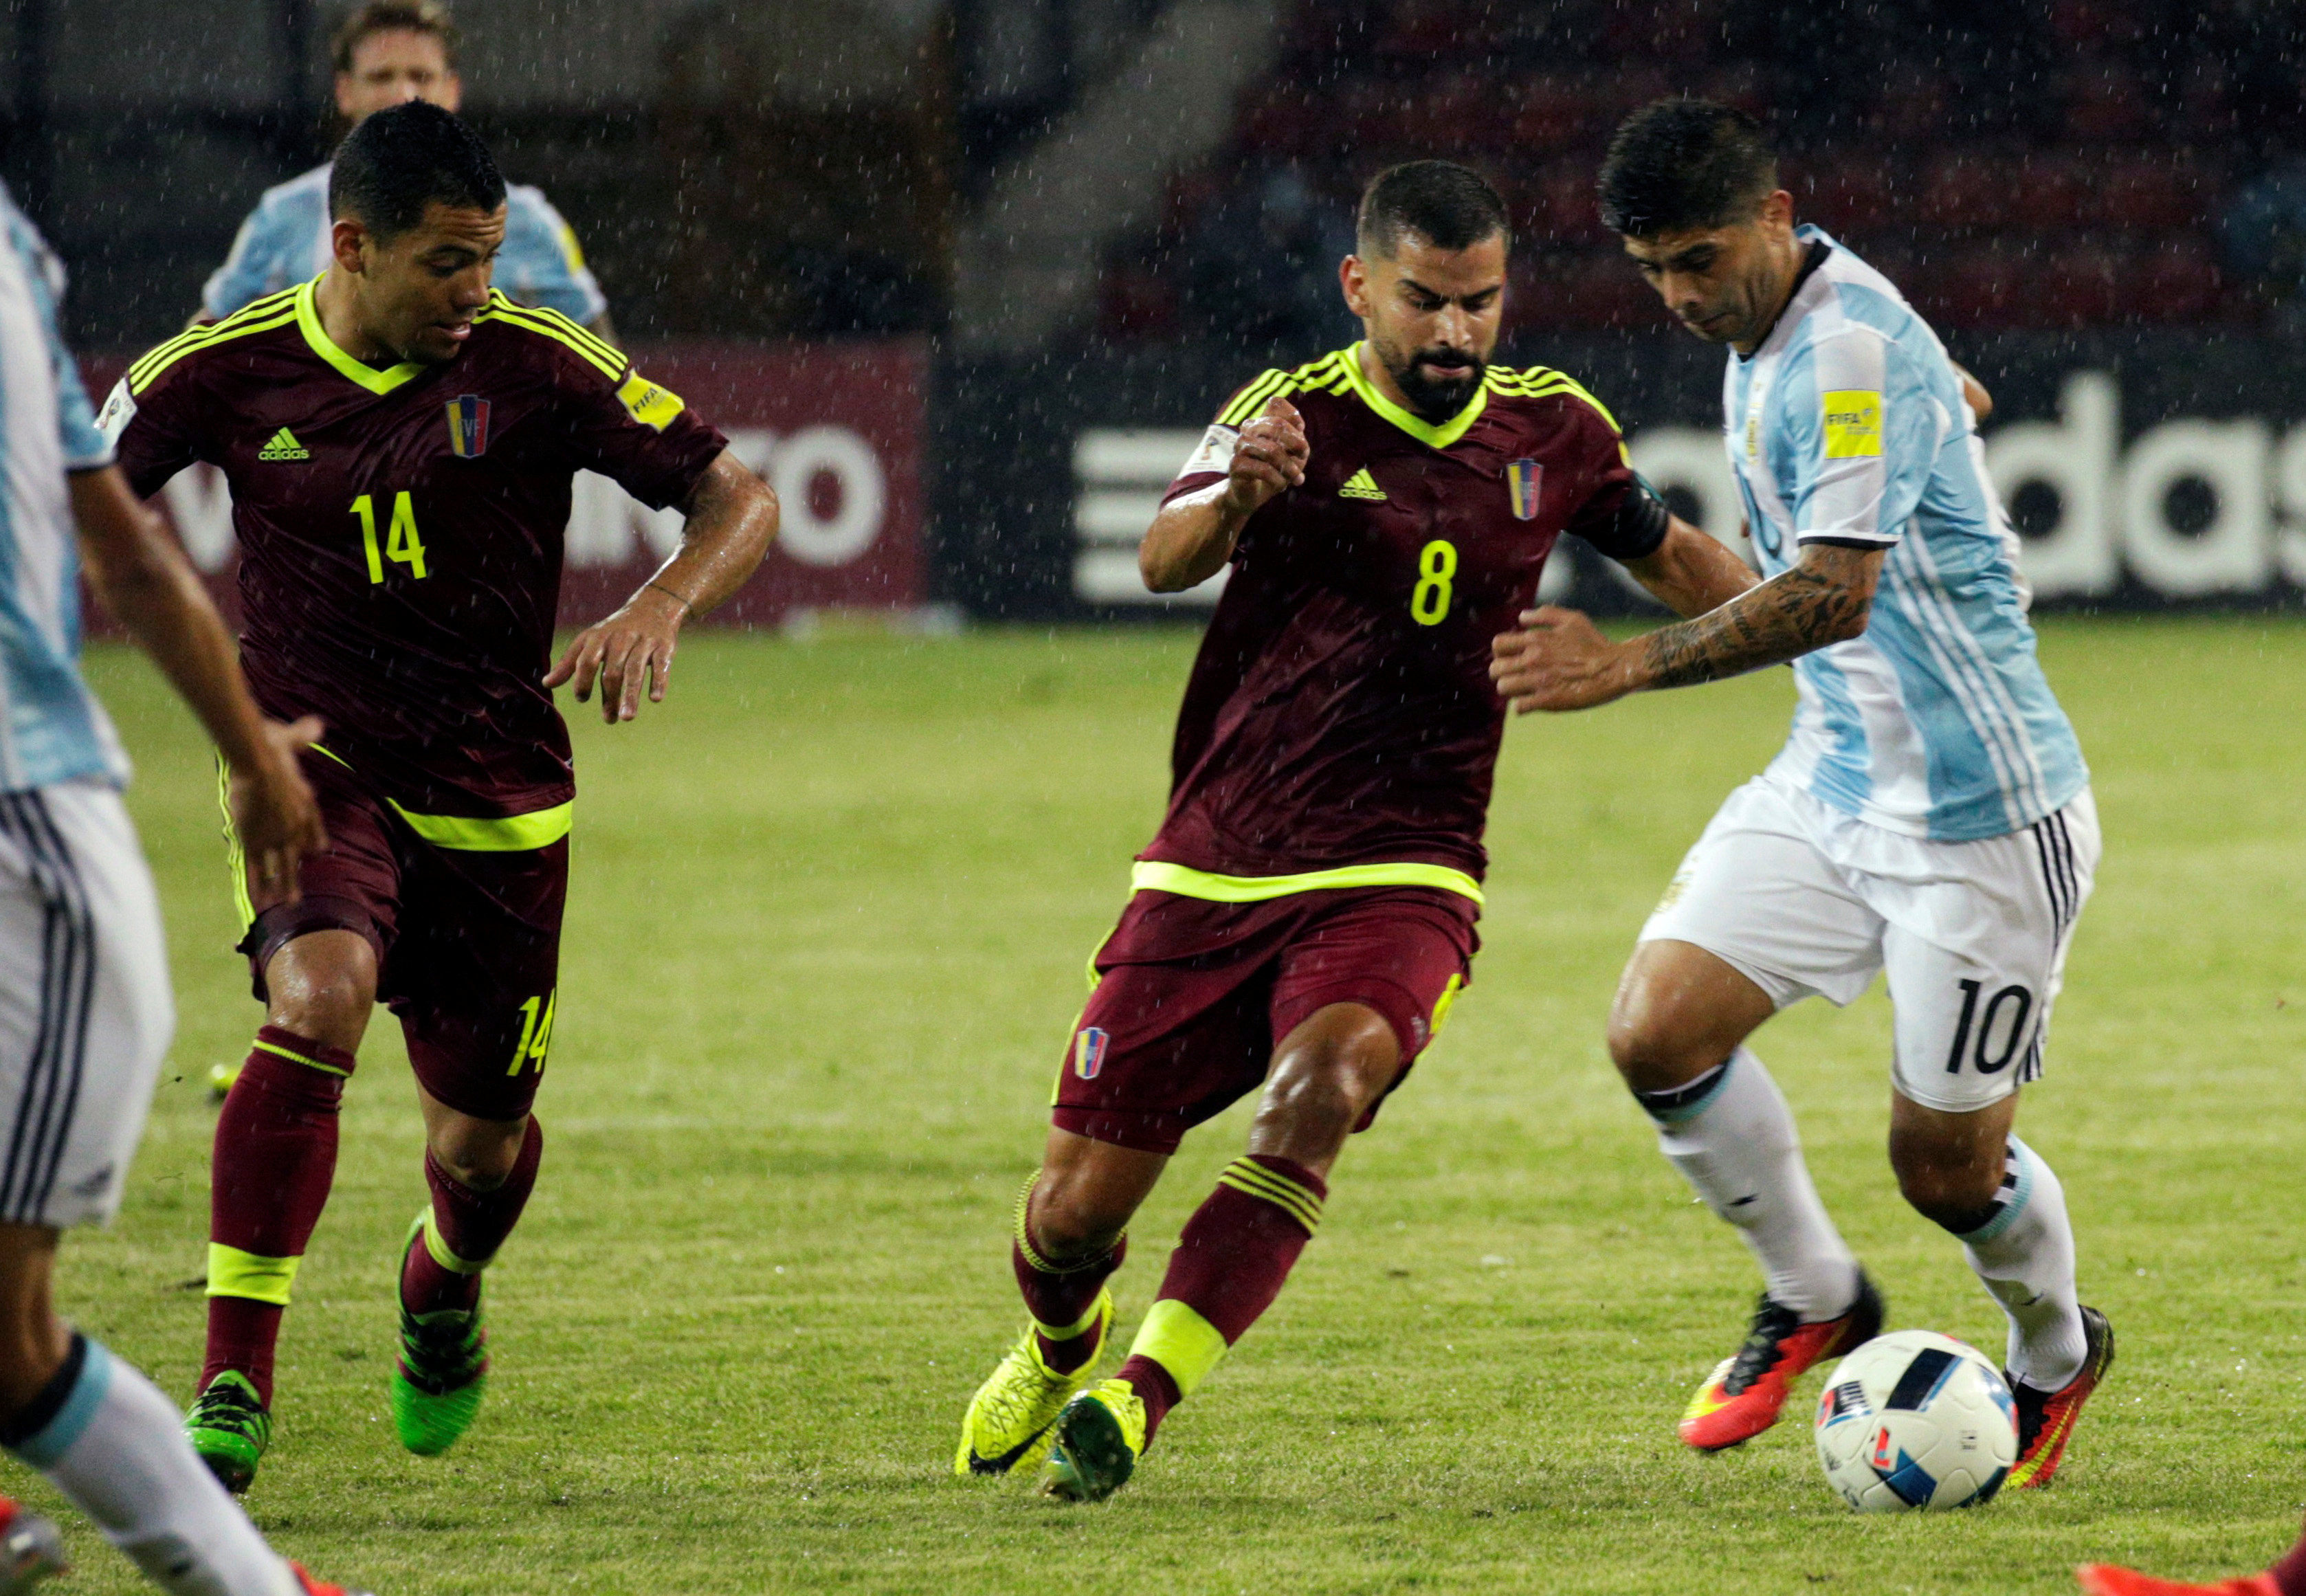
(401, 545)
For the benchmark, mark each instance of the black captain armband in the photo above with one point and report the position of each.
(1634, 529)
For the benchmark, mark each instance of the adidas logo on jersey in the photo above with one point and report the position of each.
(284, 446)
(1361, 485)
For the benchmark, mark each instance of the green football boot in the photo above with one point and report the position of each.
(1099, 1438)
(442, 1370)
(1007, 1426)
(230, 1429)
(221, 1077)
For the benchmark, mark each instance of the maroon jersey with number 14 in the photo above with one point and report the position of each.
(400, 530)
(1340, 712)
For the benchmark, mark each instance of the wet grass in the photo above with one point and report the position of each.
(830, 911)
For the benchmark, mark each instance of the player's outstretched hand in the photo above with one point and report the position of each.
(1270, 459)
(627, 654)
(1558, 661)
(274, 814)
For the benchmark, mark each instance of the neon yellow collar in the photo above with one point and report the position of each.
(308, 323)
(1425, 432)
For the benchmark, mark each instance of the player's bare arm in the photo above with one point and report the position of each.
(1981, 403)
(1560, 661)
(1192, 538)
(145, 582)
(1691, 573)
(732, 521)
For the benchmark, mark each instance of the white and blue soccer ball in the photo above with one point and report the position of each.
(1914, 1421)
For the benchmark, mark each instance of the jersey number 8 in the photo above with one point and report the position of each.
(1428, 600)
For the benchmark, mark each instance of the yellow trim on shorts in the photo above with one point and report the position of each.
(233, 1273)
(513, 833)
(235, 857)
(1151, 875)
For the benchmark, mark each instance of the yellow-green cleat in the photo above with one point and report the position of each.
(1008, 1419)
(221, 1077)
(1100, 1434)
(229, 1429)
(442, 1372)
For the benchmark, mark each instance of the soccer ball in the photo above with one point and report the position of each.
(1916, 1421)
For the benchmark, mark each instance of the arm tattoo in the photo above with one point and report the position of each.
(1796, 612)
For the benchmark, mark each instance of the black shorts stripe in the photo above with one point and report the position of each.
(80, 997)
(50, 1094)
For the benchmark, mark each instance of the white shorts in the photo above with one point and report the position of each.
(85, 1014)
(1802, 900)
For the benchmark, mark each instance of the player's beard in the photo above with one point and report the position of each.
(1437, 398)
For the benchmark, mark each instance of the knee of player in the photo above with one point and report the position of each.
(1946, 1185)
(1651, 1052)
(1331, 1086)
(1069, 1221)
(479, 1154)
(325, 998)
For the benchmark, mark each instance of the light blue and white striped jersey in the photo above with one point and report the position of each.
(284, 242)
(1848, 425)
(52, 728)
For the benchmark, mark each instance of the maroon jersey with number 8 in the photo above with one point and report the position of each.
(1341, 711)
(400, 530)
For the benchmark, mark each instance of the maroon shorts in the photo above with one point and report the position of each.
(467, 943)
(1192, 995)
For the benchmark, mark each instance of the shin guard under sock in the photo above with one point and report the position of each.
(2023, 1252)
(463, 1229)
(1235, 1252)
(1060, 1297)
(276, 1156)
(1732, 1137)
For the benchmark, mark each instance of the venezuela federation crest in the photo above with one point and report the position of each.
(1522, 479)
(469, 427)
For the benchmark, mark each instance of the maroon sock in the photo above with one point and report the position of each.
(276, 1155)
(1230, 1262)
(1059, 1294)
(472, 1224)
(2288, 1576)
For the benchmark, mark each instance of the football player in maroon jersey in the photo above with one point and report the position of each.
(1304, 917)
(400, 440)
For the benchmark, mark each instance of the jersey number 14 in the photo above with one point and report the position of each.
(402, 545)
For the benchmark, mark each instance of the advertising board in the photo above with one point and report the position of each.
(836, 429)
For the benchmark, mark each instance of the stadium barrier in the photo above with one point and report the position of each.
(2144, 470)
(836, 429)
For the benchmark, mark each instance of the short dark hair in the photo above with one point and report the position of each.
(400, 160)
(428, 17)
(1676, 164)
(1449, 206)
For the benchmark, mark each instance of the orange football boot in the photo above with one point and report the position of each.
(2099, 1580)
(2046, 1419)
(314, 1587)
(30, 1548)
(1744, 1394)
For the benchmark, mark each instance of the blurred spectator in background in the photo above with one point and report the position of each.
(1260, 263)
(2264, 232)
(387, 53)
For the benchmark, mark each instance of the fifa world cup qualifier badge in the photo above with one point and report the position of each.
(1523, 479)
(468, 426)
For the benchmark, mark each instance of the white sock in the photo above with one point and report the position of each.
(116, 1448)
(1732, 1137)
(2025, 1256)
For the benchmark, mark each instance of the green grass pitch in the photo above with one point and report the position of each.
(831, 907)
